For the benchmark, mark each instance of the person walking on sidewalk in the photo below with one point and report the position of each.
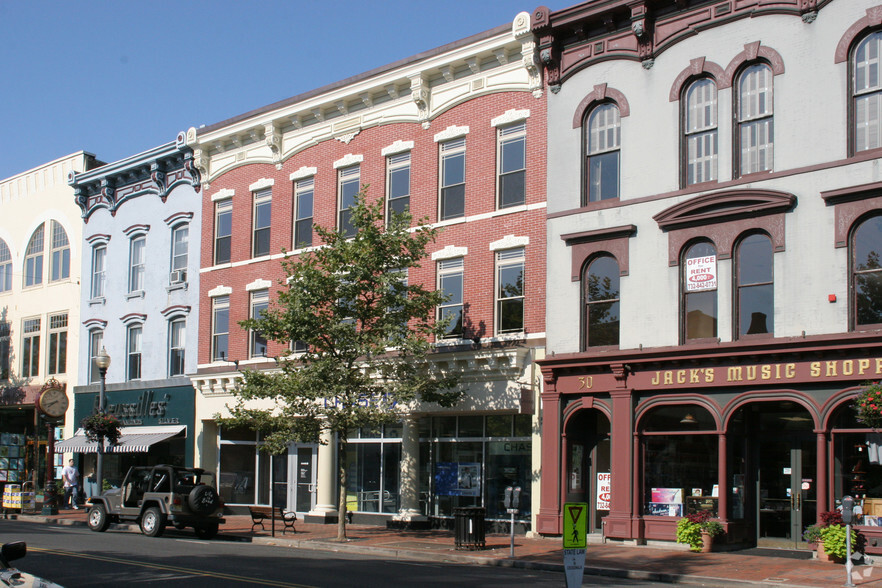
(71, 477)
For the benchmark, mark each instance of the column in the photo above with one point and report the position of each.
(326, 477)
(410, 469)
(823, 501)
(548, 520)
(722, 478)
(618, 522)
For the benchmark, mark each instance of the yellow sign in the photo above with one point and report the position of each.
(575, 525)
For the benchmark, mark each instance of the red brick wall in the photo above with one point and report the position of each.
(477, 235)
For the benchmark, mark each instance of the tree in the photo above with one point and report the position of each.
(367, 332)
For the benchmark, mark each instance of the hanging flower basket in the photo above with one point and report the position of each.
(868, 405)
(102, 425)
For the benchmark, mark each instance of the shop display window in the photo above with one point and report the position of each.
(857, 466)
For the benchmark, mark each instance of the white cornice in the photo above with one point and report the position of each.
(258, 284)
(510, 116)
(222, 194)
(397, 147)
(220, 291)
(303, 172)
(347, 160)
(509, 242)
(450, 252)
(451, 132)
(261, 184)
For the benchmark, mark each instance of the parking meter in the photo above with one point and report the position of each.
(847, 510)
(507, 500)
(516, 497)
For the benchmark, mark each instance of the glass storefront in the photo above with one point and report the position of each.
(373, 470)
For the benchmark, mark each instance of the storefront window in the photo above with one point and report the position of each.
(857, 467)
(680, 461)
(373, 474)
(239, 455)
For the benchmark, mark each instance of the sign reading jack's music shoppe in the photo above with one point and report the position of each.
(777, 373)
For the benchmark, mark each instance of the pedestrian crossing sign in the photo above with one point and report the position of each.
(575, 525)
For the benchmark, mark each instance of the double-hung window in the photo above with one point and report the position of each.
(57, 344)
(868, 93)
(220, 328)
(30, 347)
(450, 282)
(510, 290)
(699, 289)
(600, 291)
(180, 247)
(259, 304)
(349, 178)
(398, 184)
(701, 131)
(304, 191)
(133, 352)
(5, 267)
(33, 262)
(866, 272)
(177, 339)
(754, 119)
(263, 202)
(754, 281)
(96, 342)
(512, 162)
(5, 333)
(137, 261)
(602, 148)
(59, 259)
(453, 178)
(223, 231)
(99, 263)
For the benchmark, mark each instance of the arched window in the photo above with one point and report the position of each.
(866, 248)
(5, 267)
(59, 267)
(699, 288)
(867, 93)
(754, 110)
(33, 262)
(600, 292)
(602, 146)
(700, 130)
(754, 286)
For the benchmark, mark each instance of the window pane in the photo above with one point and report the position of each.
(237, 473)
(453, 202)
(603, 176)
(399, 182)
(511, 315)
(755, 260)
(756, 309)
(222, 250)
(867, 270)
(454, 169)
(512, 189)
(868, 298)
(700, 308)
(604, 129)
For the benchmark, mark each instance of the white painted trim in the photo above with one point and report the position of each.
(303, 172)
(220, 291)
(261, 184)
(510, 116)
(258, 284)
(451, 132)
(347, 160)
(222, 194)
(509, 242)
(397, 147)
(450, 252)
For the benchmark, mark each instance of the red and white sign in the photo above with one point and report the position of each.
(701, 273)
(604, 487)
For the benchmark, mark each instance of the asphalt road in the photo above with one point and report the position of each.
(75, 556)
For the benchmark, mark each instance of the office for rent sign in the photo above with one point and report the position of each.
(701, 273)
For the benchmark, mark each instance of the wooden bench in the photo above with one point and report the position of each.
(260, 514)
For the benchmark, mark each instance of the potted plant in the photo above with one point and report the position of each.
(868, 405)
(812, 535)
(698, 530)
(102, 426)
(834, 541)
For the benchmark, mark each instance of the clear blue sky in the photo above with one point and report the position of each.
(116, 78)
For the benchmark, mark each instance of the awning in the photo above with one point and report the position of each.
(132, 440)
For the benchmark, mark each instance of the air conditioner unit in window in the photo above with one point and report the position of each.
(178, 276)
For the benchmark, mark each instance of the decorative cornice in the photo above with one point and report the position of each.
(97, 238)
(223, 194)
(347, 160)
(261, 184)
(450, 252)
(220, 291)
(600, 93)
(303, 172)
(133, 317)
(94, 323)
(509, 242)
(136, 230)
(606, 234)
(258, 284)
(872, 19)
(509, 117)
(451, 132)
(178, 217)
(397, 147)
(698, 67)
(720, 207)
(175, 310)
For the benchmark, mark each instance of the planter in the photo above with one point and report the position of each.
(707, 542)
(824, 556)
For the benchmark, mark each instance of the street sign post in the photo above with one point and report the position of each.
(575, 540)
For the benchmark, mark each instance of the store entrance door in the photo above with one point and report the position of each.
(304, 477)
(588, 464)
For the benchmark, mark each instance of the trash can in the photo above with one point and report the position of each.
(469, 527)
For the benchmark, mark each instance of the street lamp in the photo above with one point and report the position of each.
(102, 360)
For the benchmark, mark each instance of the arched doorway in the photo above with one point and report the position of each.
(773, 468)
(587, 435)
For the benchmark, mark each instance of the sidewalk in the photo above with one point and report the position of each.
(654, 563)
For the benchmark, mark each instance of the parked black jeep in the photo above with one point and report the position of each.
(155, 496)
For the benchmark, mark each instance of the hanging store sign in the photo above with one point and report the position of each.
(701, 273)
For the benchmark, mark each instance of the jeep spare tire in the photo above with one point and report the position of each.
(203, 500)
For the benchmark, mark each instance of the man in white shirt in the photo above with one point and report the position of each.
(71, 477)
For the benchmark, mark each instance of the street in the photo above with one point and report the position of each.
(74, 556)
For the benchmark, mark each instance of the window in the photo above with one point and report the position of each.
(701, 131)
(603, 142)
(866, 247)
(510, 290)
(99, 259)
(512, 161)
(700, 291)
(176, 347)
(33, 262)
(5, 332)
(450, 273)
(180, 247)
(349, 178)
(453, 178)
(868, 94)
(30, 348)
(220, 328)
(96, 342)
(303, 196)
(59, 267)
(223, 231)
(755, 286)
(754, 119)
(133, 353)
(263, 201)
(259, 304)
(397, 184)
(5, 267)
(600, 291)
(136, 263)
(57, 344)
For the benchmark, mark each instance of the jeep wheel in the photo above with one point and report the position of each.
(203, 500)
(153, 522)
(98, 520)
(207, 531)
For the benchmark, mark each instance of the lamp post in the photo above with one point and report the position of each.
(102, 360)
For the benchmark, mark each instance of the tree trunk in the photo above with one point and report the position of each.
(342, 438)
